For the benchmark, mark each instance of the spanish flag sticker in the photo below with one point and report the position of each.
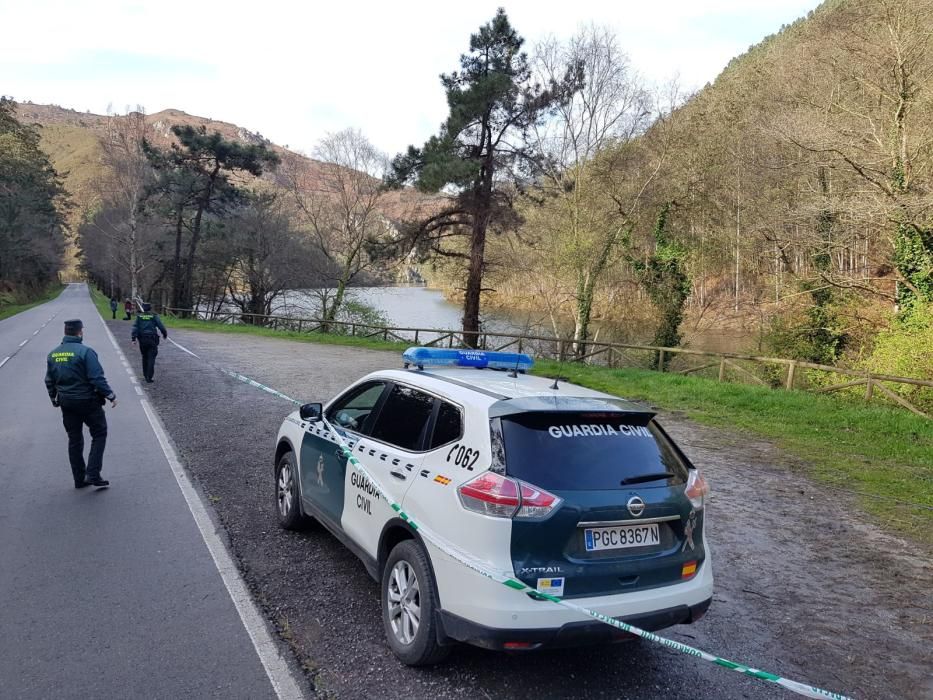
(442, 480)
(690, 568)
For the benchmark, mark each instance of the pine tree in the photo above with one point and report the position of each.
(31, 202)
(479, 153)
(194, 180)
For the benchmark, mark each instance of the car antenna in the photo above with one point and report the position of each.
(513, 374)
(560, 365)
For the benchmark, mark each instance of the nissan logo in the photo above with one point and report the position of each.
(636, 506)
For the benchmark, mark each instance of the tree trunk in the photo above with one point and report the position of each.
(203, 203)
(474, 285)
(582, 318)
(176, 264)
(189, 263)
(134, 264)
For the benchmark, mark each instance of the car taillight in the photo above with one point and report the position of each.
(697, 489)
(500, 497)
(536, 503)
(490, 494)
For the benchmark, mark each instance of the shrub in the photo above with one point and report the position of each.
(906, 350)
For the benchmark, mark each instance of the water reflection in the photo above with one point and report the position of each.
(421, 307)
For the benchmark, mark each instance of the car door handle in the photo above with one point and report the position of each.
(398, 475)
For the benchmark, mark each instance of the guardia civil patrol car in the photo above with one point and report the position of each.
(577, 493)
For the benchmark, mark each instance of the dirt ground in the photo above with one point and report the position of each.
(805, 586)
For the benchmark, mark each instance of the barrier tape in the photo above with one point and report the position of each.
(506, 579)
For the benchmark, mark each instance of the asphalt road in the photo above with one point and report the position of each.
(805, 586)
(111, 592)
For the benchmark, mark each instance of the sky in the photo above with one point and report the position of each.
(295, 71)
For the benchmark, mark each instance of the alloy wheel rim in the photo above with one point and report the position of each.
(404, 597)
(285, 490)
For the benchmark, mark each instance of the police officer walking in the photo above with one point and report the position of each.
(146, 329)
(76, 383)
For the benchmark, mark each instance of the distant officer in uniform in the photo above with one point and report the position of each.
(76, 383)
(146, 329)
(113, 308)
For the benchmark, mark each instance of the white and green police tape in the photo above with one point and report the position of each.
(508, 580)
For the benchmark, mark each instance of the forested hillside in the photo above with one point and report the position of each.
(793, 194)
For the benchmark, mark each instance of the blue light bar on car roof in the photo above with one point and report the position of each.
(443, 357)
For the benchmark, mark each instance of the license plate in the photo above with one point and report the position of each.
(621, 537)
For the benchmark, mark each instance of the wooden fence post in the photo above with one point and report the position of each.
(869, 388)
(660, 361)
(416, 336)
(791, 369)
(722, 369)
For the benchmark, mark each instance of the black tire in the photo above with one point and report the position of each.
(422, 648)
(287, 497)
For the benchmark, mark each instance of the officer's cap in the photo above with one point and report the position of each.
(73, 326)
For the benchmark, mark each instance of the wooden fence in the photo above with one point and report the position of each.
(786, 373)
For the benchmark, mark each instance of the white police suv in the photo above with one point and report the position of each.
(578, 494)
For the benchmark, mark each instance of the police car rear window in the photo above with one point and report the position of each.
(589, 451)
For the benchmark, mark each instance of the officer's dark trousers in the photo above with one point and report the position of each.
(75, 415)
(149, 347)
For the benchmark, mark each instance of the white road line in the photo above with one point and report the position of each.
(283, 683)
(24, 342)
(183, 348)
(36, 332)
(5, 360)
(139, 389)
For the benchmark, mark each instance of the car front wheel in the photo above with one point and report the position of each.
(287, 501)
(409, 599)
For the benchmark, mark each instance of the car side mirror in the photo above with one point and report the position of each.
(311, 412)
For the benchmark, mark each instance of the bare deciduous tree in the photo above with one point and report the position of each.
(122, 189)
(587, 168)
(339, 203)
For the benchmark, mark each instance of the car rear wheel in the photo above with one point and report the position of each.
(409, 599)
(287, 501)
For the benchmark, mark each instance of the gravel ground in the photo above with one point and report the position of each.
(804, 587)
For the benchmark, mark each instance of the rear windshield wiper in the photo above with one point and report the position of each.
(647, 477)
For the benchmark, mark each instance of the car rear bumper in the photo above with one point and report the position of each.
(457, 629)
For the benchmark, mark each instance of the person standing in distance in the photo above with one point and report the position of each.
(76, 383)
(146, 329)
(113, 307)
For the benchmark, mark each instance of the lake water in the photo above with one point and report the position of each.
(421, 307)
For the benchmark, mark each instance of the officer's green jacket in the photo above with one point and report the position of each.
(148, 325)
(74, 372)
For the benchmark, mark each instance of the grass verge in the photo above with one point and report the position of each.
(7, 310)
(884, 453)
